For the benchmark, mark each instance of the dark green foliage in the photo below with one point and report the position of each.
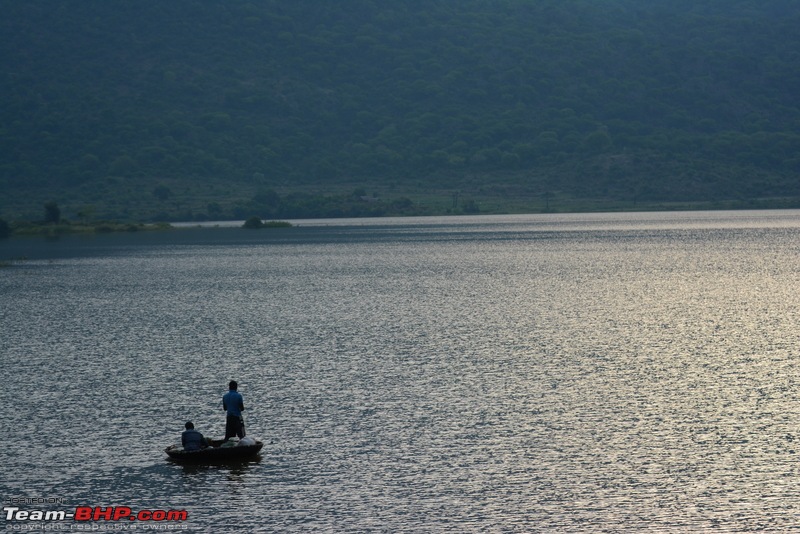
(52, 213)
(277, 224)
(162, 192)
(190, 105)
(253, 223)
(307, 206)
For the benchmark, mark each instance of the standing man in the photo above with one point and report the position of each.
(233, 404)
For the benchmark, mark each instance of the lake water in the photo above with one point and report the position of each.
(548, 373)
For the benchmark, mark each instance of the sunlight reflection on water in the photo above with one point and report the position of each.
(467, 378)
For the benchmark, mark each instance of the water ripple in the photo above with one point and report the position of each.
(599, 377)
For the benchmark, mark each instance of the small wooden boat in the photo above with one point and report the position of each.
(217, 452)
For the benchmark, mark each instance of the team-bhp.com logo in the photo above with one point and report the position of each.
(94, 513)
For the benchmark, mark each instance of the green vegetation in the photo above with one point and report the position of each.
(53, 225)
(97, 227)
(223, 109)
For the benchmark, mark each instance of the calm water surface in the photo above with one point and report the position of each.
(580, 373)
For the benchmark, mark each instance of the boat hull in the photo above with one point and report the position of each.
(216, 454)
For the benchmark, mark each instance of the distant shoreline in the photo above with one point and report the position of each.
(20, 249)
(99, 227)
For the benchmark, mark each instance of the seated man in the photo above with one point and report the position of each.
(191, 439)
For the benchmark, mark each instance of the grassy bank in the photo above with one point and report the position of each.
(65, 228)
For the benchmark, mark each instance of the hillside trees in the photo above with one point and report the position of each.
(52, 213)
(100, 97)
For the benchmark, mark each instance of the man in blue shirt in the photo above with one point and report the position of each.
(191, 439)
(233, 404)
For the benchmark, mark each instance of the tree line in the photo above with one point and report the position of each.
(220, 101)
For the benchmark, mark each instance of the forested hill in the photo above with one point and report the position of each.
(151, 108)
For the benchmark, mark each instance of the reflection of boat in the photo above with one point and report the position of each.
(219, 451)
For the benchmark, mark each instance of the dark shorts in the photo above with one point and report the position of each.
(234, 426)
